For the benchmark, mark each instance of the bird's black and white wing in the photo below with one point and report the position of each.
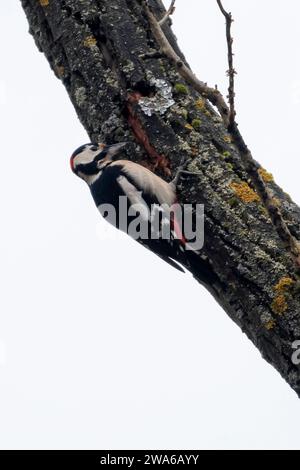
(153, 188)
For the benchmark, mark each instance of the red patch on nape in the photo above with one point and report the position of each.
(72, 164)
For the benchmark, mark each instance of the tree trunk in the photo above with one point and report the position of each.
(124, 87)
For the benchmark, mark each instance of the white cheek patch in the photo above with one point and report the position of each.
(85, 157)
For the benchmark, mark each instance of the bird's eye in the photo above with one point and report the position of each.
(94, 148)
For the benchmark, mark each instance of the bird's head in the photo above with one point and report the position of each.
(90, 159)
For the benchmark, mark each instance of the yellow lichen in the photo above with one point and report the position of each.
(90, 41)
(189, 127)
(279, 304)
(227, 139)
(265, 175)
(270, 324)
(284, 284)
(44, 3)
(200, 104)
(244, 192)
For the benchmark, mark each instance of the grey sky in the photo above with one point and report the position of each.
(83, 362)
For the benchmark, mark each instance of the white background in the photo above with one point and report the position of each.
(101, 344)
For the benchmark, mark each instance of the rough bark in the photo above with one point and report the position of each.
(106, 55)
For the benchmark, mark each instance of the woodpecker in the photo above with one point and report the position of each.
(109, 178)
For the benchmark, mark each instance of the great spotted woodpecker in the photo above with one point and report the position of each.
(109, 179)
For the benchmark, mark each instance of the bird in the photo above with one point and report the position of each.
(111, 178)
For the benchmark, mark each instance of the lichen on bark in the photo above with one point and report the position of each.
(107, 57)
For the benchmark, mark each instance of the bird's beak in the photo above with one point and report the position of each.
(114, 149)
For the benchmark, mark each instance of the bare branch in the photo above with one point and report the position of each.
(212, 94)
(168, 14)
(250, 164)
(231, 71)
